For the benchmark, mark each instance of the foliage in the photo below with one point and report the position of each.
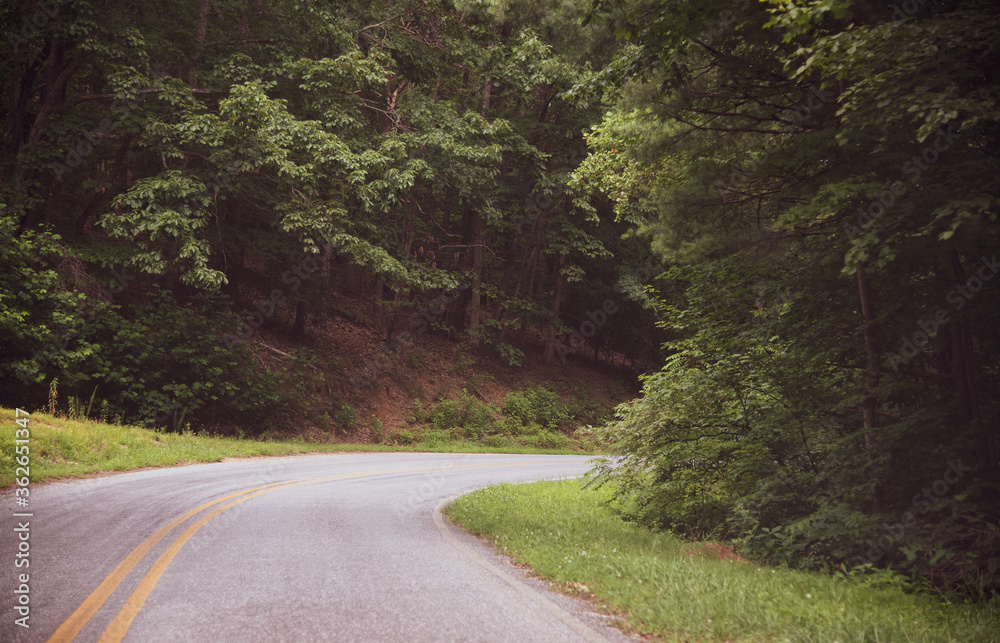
(44, 311)
(821, 180)
(465, 417)
(346, 418)
(535, 406)
(818, 183)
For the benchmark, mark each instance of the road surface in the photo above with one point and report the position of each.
(332, 547)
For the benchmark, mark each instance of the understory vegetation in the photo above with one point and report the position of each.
(534, 417)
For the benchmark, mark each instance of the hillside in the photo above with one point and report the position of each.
(364, 376)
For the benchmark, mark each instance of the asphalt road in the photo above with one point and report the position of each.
(336, 547)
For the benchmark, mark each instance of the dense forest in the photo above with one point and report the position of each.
(782, 214)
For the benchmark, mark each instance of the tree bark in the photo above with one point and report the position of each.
(872, 373)
(299, 325)
(962, 371)
(550, 344)
(475, 299)
(201, 30)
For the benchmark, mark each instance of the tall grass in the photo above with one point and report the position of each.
(684, 592)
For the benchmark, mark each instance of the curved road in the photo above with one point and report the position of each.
(333, 547)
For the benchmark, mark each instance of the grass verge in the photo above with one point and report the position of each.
(61, 448)
(665, 587)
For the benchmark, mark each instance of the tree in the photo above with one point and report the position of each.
(829, 172)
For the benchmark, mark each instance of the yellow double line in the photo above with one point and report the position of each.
(119, 626)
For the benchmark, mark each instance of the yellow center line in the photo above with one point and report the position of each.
(72, 626)
(119, 626)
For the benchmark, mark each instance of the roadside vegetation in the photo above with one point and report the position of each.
(660, 585)
(534, 418)
(62, 447)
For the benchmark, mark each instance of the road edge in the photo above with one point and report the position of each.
(448, 529)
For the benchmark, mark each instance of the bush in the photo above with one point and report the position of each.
(403, 437)
(488, 333)
(162, 364)
(377, 429)
(466, 416)
(347, 419)
(44, 330)
(436, 438)
(538, 405)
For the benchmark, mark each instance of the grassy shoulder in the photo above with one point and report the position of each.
(683, 592)
(59, 447)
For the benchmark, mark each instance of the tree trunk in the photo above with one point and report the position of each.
(963, 377)
(22, 95)
(201, 30)
(475, 312)
(550, 344)
(299, 325)
(376, 300)
(872, 372)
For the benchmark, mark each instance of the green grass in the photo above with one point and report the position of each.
(569, 536)
(61, 448)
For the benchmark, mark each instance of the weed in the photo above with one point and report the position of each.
(403, 437)
(546, 439)
(53, 396)
(416, 358)
(347, 419)
(466, 416)
(437, 438)
(499, 441)
(536, 406)
(462, 360)
(377, 429)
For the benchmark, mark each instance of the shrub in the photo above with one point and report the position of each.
(538, 405)
(403, 437)
(377, 429)
(161, 364)
(466, 416)
(436, 438)
(347, 419)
